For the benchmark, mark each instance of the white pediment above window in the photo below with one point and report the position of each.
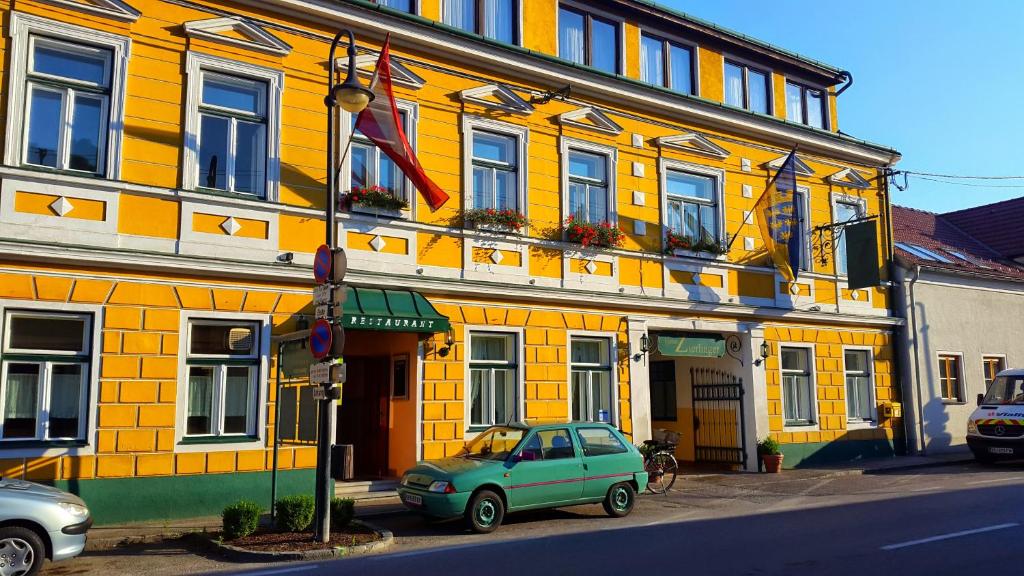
(801, 167)
(693, 142)
(237, 32)
(366, 64)
(115, 9)
(591, 119)
(497, 97)
(849, 178)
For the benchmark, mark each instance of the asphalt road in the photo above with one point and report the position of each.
(954, 520)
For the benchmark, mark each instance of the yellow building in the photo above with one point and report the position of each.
(163, 191)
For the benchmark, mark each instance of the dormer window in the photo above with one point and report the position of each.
(666, 63)
(588, 40)
(495, 19)
(747, 87)
(805, 105)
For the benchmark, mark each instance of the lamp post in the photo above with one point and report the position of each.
(352, 97)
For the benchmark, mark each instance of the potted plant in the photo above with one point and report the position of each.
(601, 234)
(375, 200)
(507, 220)
(698, 246)
(771, 455)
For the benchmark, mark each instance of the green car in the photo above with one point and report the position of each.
(519, 467)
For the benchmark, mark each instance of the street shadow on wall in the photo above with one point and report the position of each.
(935, 412)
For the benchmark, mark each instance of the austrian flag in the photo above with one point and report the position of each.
(381, 123)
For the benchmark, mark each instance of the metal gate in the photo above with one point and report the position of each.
(719, 427)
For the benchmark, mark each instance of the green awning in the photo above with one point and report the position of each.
(692, 345)
(391, 310)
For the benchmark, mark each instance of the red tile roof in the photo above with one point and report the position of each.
(997, 225)
(937, 233)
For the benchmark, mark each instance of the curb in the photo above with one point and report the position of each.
(245, 555)
(109, 543)
(898, 468)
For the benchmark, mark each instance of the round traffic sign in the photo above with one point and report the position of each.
(321, 338)
(322, 264)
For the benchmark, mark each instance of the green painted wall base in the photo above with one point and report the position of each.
(117, 500)
(822, 453)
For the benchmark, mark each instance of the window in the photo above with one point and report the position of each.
(495, 171)
(45, 385)
(67, 106)
(860, 398)
(493, 380)
(922, 252)
(804, 228)
(223, 375)
(666, 63)
(400, 377)
(232, 134)
(589, 40)
(950, 378)
(588, 186)
(371, 167)
(495, 19)
(805, 105)
(797, 386)
(403, 5)
(590, 388)
(992, 365)
(599, 442)
(663, 391)
(747, 87)
(692, 202)
(845, 212)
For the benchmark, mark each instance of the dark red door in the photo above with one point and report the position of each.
(363, 414)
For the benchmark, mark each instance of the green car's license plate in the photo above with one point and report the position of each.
(415, 499)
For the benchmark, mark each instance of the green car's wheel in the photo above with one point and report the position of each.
(485, 512)
(620, 499)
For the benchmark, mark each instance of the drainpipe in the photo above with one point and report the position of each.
(890, 253)
(917, 360)
(845, 77)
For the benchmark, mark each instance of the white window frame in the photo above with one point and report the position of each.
(854, 422)
(826, 119)
(261, 366)
(806, 228)
(23, 27)
(862, 208)
(610, 340)
(586, 9)
(961, 377)
(667, 164)
(815, 423)
(747, 65)
(471, 430)
(196, 66)
(518, 31)
(471, 124)
(85, 445)
(412, 117)
(672, 39)
(611, 152)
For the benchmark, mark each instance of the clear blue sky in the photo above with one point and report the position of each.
(940, 81)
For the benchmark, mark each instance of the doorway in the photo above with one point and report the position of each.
(363, 415)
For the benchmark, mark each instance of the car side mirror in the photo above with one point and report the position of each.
(981, 398)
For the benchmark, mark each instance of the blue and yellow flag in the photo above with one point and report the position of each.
(778, 216)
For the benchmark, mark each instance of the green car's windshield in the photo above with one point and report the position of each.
(494, 443)
(1006, 390)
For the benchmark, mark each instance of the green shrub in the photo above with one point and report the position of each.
(295, 513)
(241, 519)
(342, 511)
(769, 446)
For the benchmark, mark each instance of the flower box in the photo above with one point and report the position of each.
(375, 210)
(679, 245)
(492, 220)
(375, 200)
(593, 234)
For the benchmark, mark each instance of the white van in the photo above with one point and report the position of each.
(995, 430)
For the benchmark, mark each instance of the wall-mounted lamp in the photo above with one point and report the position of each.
(645, 347)
(302, 323)
(766, 351)
(449, 340)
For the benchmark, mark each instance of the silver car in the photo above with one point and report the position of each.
(38, 522)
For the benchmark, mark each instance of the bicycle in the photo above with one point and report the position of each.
(660, 461)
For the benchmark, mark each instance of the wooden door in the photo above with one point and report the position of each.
(363, 414)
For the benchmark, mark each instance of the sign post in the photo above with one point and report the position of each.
(327, 344)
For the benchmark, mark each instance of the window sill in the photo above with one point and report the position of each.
(494, 229)
(44, 444)
(229, 194)
(380, 212)
(953, 402)
(63, 172)
(699, 255)
(861, 424)
(191, 441)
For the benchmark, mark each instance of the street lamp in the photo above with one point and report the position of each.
(352, 97)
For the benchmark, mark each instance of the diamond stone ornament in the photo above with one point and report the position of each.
(591, 267)
(231, 226)
(377, 243)
(496, 257)
(61, 206)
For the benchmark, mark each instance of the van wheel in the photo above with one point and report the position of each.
(485, 512)
(21, 551)
(620, 500)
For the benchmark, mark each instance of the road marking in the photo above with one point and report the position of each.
(282, 570)
(926, 489)
(950, 535)
(991, 480)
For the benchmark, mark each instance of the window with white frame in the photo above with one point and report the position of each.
(67, 105)
(805, 105)
(232, 134)
(590, 385)
(666, 63)
(45, 388)
(860, 397)
(372, 167)
(692, 204)
(495, 170)
(803, 227)
(797, 386)
(588, 186)
(845, 211)
(495, 19)
(223, 378)
(493, 378)
(747, 87)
